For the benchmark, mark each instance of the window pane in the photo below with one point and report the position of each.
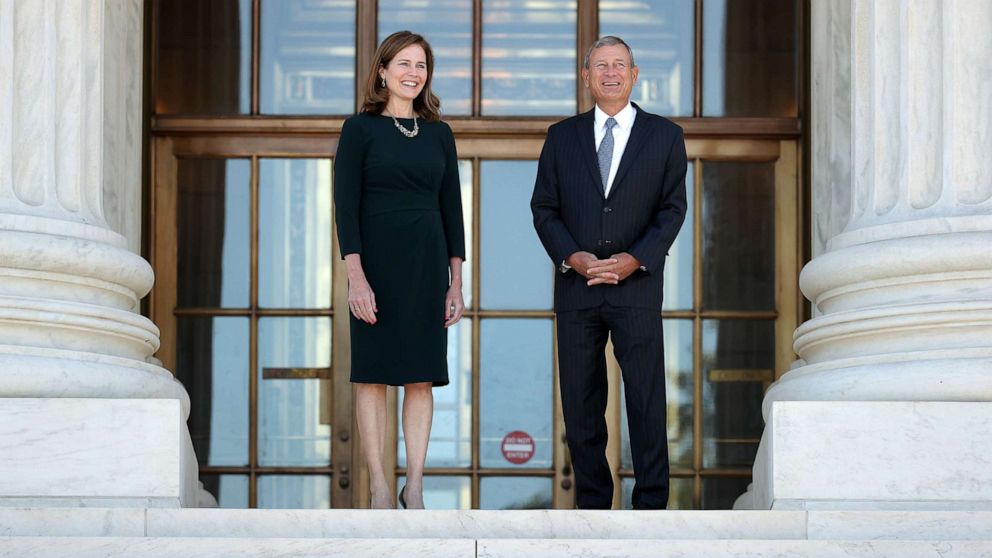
(750, 65)
(203, 57)
(294, 491)
(290, 426)
(528, 57)
(738, 363)
(443, 493)
(451, 432)
(214, 225)
(738, 236)
(678, 265)
(212, 363)
(515, 493)
(447, 26)
(679, 493)
(720, 493)
(230, 491)
(516, 390)
(661, 34)
(678, 388)
(510, 247)
(308, 57)
(295, 236)
(468, 215)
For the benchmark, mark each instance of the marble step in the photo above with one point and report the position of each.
(158, 523)
(210, 547)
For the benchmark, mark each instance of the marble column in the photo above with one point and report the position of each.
(901, 278)
(70, 277)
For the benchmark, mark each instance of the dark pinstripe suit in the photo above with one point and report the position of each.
(642, 214)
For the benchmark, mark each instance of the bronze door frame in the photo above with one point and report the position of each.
(349, 478)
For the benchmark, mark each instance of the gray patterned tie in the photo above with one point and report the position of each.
(605, 153)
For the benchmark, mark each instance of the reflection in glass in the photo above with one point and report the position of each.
(679, 493)
(308, 57)
(295, 242)
(293, 414)
(678, 265)
(214, 223)
(750, 62)
(510, 247)
(528, 57)
(203, 57)
(230, 491)
(738, 362)
(660, 32)
(515, 493)
(738, 235)
(451, 432)
(515, 388)
(443, 493)
(678, 388)
(447, 26)
(294, 492)
(212, 363)
(465, 178)
(720, 493)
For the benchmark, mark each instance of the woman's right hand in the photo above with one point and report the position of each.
(361, 300)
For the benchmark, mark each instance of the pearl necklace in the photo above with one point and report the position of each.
(408, 133)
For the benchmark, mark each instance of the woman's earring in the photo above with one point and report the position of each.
(383, 82)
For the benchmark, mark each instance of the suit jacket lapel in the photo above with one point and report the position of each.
(639, 132)
(587, 147)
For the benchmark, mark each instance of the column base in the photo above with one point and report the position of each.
(876, 455)
(96, 452)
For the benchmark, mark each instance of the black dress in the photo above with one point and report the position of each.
(398, 204)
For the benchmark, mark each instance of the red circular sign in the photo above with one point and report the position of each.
(517, 447)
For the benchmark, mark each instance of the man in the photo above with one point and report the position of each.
(608, 201)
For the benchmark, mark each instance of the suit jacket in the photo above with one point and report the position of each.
(642, 214)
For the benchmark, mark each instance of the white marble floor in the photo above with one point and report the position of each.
(150, 532)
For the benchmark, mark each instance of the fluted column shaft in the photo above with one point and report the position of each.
(70, 116)
(902, 204)
(70, 191)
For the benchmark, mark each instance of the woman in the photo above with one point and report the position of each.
(399, 221)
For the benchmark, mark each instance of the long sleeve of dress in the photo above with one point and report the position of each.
(349, 162)
(450, 199)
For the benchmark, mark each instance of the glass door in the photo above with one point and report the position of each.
(249, 280)
(730, 300)
(496, 434)
(249, 99)
(246, 296)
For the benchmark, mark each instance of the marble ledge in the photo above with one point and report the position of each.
(732, 549)
(72, 522)
(479, 524)
(488, 524)
(119, 547)
(88, 502)
(900, 525)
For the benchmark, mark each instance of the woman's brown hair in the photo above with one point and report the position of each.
(427, 104)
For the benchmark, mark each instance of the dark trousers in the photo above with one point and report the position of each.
(637, 344)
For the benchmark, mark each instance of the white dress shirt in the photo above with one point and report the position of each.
(621, 133)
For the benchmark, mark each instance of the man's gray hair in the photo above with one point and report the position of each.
(608, 40)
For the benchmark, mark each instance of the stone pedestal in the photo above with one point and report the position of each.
(70, 280)
(876, 455)
(901, 277)
(95, 453)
